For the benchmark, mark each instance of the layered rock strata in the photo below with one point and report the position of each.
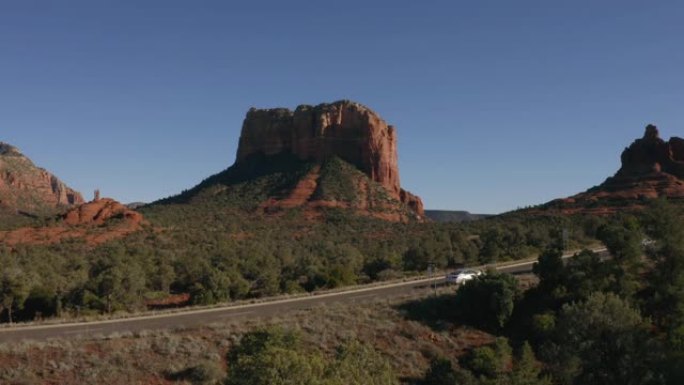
(343, 129)
(25, 187)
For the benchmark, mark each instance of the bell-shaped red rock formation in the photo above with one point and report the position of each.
(651, 168)
(651, 154)
(343, 129)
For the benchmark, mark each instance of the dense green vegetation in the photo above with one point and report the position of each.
(487, 302)
(590, 320)
(495, 364)
(229, 255)
(214, 243)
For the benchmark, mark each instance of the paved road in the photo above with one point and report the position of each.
(194, 318)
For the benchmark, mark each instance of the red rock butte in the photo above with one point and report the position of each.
(651, 168)
(651, 154)
(343, 129)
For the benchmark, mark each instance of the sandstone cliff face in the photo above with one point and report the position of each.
(651, 168)
(342, 129)
(25, 187)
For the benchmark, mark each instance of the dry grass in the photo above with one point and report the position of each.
(152, 357)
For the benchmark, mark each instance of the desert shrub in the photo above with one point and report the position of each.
(205, 373)
(489, 361)
(489, 365)
(441, 372)
(487, 302)
(278, 357)
(357, 364)
(273, 357)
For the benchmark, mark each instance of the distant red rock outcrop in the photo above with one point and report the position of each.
(651, 168)
(99, 211)
(344, 129)
(95, 222)
(651, 155)
(30, 189)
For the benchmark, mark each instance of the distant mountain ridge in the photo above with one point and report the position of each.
(453, 216)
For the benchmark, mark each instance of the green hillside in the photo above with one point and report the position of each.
(217, 242)
(241, 189)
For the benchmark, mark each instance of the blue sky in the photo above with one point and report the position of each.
(498, 104)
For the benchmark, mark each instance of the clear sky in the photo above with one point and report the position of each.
(497, 104)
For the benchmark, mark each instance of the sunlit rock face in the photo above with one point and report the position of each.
(27, 188)
(343, 129)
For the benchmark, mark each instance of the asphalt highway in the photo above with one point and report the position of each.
(196, 318)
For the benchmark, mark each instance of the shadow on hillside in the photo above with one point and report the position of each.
(437, 312)
(411, 380)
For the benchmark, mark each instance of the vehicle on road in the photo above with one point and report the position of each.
(462, 276)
